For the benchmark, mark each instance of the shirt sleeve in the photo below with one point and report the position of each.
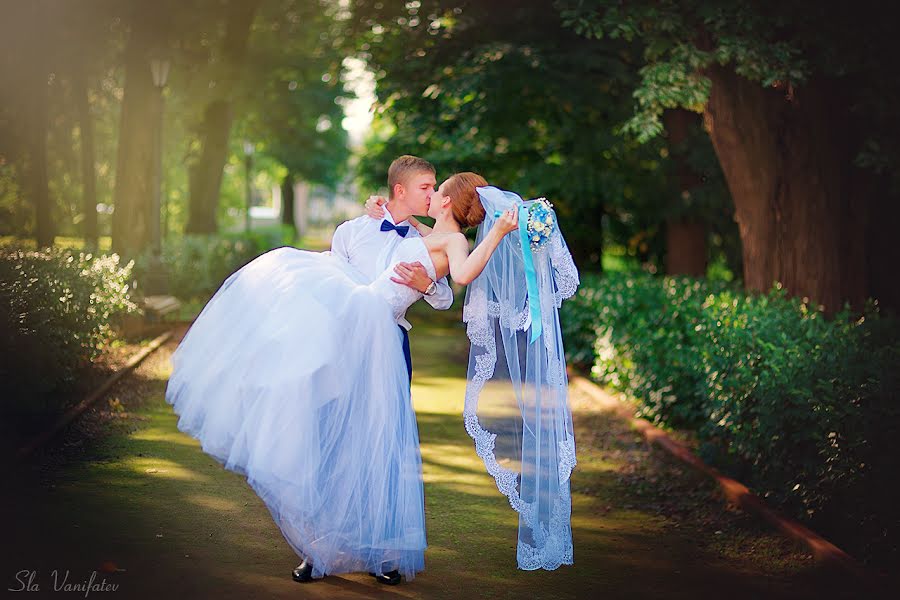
(340, 241)
(442, 298)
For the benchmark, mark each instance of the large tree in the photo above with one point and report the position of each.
(793, 95)
(149, 33)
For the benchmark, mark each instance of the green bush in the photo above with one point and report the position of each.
(802, 408)
(57, 309)
(196, 265)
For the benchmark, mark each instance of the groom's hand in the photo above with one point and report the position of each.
(412, 275)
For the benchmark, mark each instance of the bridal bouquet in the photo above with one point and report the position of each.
(541, 223)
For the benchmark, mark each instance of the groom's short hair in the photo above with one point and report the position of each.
(405, 166)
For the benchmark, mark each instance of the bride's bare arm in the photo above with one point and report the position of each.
(465, 267)
(422, 228)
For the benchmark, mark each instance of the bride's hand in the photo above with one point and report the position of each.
(508, 221)
(373, 207)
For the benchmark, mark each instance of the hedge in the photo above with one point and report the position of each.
(801, 407)
(57, 309)
(197, 264)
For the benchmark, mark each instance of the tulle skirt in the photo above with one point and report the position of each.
(293, 375)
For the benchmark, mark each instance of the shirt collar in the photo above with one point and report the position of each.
(389, 217)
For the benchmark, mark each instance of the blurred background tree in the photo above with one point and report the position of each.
(78, 113)
(294, 107)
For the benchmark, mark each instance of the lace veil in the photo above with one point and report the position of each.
(516, 406)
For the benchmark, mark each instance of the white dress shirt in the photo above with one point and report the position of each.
(361, 242)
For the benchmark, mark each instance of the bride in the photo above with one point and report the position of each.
(293, 375)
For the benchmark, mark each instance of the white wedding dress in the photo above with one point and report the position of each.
(293, 375)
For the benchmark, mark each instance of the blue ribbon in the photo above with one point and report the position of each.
(534, 297)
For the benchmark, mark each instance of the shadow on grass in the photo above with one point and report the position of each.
(151, 503)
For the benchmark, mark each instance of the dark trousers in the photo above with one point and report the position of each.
(406, 354)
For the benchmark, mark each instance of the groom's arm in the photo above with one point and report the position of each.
(340, 241)
(442, 298)
(415, 276)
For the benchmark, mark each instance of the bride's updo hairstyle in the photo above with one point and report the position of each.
(464, 201)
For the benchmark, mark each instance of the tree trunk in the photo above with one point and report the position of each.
(37, 95)
(302, 191)
(88, 176)
(287, 203)
(37, 162)
(686, 251)
(206, 173)
(883, 252)
(132, 197)
(798, 201)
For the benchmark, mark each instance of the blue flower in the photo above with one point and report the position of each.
(541, 223)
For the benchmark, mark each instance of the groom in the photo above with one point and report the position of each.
(368, 244)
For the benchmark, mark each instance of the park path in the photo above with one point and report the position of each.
(150, 512)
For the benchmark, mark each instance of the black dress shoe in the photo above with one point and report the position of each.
(388, 577)
(303, 572)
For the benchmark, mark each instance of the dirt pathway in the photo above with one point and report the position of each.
(146, 510)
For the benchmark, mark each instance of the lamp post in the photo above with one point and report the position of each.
(248, 171)
(156, 277)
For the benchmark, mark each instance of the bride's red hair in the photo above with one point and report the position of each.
(464, 201)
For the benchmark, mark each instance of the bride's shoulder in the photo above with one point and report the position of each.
(460, 238)
(449, 239)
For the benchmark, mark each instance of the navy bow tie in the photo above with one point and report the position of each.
(400, 229)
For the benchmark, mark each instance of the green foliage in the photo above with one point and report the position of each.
(292, 93)
(196, 265)
(532, 106)
(785, 45)
(802, 408)
(681, 39)
(56, 312)
(535, 108)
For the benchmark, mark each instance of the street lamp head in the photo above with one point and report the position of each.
(248, 148)
(159, 67)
